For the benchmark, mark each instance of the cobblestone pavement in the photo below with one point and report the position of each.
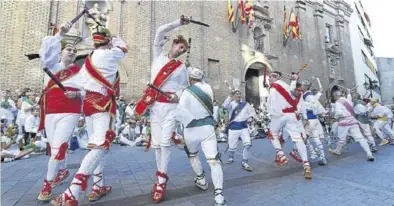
(347, 180)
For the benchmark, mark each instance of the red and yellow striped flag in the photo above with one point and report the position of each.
(241, 6)
(285, 27)
(298, 27)
(249, 12)
(230, 12)
(293, 25)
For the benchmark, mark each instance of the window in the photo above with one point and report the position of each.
(370, 51)
(362, 20)
(213, 69)
(328, 33)
(258, 36)
(368, 62)
(364, 56)
(360, 33)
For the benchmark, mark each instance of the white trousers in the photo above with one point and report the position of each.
(314, 129)
(97, 126)
(204, 136)
(353, 131)
(381, 128)
(163, 124)
(233, 136)
(366, 131)
(334, 129)
(288, 122)
(59, 128)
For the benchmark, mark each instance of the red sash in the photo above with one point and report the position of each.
(96, 102)
(53, 100)
(293, 102)
(351, 120)
(151, 95)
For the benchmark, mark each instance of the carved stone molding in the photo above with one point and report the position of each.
(318, 9)
(340, 20)
(301, 4)
(262, 14)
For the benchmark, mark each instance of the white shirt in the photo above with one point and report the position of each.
(276, 102)
(178, 80)
(32, 123)
(190, 108)
(340, 110)
(129, 133)
(13, 149)
(247, 112)
(130, 111)
(8, 112)
(25, 112)
(312, 103)
(381, 111)
(361, 109)
(50, 58)
(105, 60)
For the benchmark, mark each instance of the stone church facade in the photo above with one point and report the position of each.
(218, 50)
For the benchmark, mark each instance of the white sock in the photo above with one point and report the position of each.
(217, 178)
(63, 164)
(53, 165)
(89, 163)
(275, 142)
(196, 165)
(302, 150)
(364, 144)
(53, 168)
(158, 158)
(310, 148)
(379, 133)
(319, 147)
(99, 180)
(370, 140)
(245, 152)
(165, 159)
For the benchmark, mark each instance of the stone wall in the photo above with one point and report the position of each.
(217, 49)
(386, 76)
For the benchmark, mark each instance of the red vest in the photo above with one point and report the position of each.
(53, 100)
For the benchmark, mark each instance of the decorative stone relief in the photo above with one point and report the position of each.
(100, 11)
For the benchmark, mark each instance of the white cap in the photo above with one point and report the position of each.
(195, 73)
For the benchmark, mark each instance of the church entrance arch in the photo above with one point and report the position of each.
(255, 93)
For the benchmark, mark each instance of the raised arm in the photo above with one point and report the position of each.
(349, 95)
(293, 85)
(227, 103)
(160, 36)
(51, 47)
(50, 51)
(119, 49)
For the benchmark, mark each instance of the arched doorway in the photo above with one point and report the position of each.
(252, 87)
(255, 93)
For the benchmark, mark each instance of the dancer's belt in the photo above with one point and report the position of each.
(238, 125)
(163, 99)
(201, 122)
(310, 114)
(289, 110)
